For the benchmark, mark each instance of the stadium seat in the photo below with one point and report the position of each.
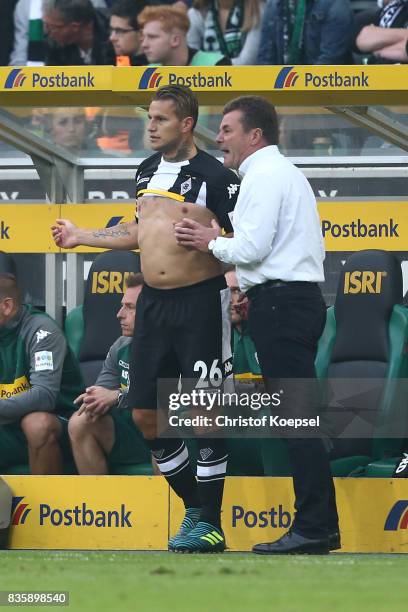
(365, 337)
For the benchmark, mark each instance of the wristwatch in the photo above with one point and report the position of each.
(211, 244)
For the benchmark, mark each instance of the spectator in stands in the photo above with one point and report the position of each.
(69, 127)
(76, 33)
(29, 46)
(306, 32)
(383, 34)
(164, 39)
(123, 49)
(103, 428)
(125, 33)
(39, 379)
(6, 30)
(231, 27)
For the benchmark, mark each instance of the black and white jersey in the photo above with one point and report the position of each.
(202, 180)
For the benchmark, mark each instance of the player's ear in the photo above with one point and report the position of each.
(188, 124)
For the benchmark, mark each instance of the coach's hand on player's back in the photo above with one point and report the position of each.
(64, 234)
(190, 233)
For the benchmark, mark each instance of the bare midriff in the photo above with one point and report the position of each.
(166, 265)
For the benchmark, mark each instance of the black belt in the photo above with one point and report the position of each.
(253, 291)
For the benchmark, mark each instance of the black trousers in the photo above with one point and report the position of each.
(285, 323)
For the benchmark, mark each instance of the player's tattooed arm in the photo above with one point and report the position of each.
(112, 232)
(122, 236)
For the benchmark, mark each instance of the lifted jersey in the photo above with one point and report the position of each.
(202, 180)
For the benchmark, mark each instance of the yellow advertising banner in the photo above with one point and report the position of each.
(364, 224)
(89, 512)
(55, 85)
(289, 85)
(25, 228)
(373, 512)
(346, 225)
(137, 513)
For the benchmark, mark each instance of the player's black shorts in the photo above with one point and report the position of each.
(184, 331)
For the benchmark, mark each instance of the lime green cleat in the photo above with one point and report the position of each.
(204, 538)
(190, 520)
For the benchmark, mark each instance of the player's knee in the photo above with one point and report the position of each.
(41, 429)
(78, 427)
(145, 420)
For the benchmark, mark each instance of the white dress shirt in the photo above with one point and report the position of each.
(277, 233)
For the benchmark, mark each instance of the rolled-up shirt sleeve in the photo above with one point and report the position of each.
(255, 221)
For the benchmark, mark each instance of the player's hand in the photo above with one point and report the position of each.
(190, 233)
(64, 233)
(96, 401)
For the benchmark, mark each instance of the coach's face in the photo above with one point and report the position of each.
(233, 141)
(165, 129)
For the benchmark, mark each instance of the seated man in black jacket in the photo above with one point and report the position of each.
(76, 33)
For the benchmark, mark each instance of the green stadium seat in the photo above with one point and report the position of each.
(366, 336)
(74, 329)
(383, 468)
(367, 339)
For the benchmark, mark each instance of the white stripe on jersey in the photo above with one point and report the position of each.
(165, 177)
(202, 195)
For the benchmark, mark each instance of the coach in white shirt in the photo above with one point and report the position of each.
(278, 252)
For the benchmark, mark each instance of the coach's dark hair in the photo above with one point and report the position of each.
(134, 280)
(128, 9)
(9, 287)
(256, 113)
(71, 10)
(184, 100)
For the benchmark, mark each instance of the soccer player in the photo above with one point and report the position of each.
(103, 430)
(182, 325)
(39, 379)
